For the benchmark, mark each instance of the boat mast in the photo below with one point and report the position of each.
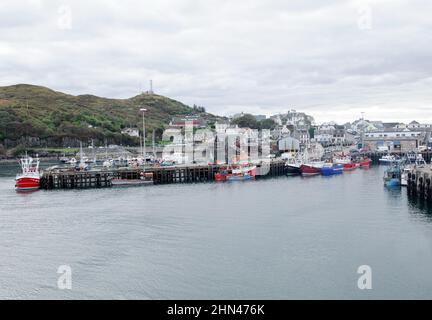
(362, 132)
(81, 154)
(153, 140)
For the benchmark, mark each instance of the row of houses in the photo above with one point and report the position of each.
(294, 129)
(332, 134)
(376, 135)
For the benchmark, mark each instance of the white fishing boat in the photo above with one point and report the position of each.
(293, 162)
(388, 159)
(342, 159)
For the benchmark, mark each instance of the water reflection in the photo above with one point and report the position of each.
(419, 206)
(393, 191)
(172, 241)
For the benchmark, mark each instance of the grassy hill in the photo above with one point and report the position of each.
(40, 117)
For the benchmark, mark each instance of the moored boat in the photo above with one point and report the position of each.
(392, 176)
(236, 173)
(365, 163)
(293, 170)
(293, 167)
(29, 178)
(349, 166)
(310, 169)
(331, 169)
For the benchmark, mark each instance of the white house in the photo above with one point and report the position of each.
(133, 132)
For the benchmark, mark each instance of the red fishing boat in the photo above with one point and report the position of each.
(365, 163)
(349, 166)
(29, 178)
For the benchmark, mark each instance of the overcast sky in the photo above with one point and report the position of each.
(330, 58)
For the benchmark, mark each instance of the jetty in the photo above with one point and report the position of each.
(69, 178)
(61, 178)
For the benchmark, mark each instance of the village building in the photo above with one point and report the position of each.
(182, 121)
(395, 139)
(132, 132)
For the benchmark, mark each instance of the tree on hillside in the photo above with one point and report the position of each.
(267, 124)
(249, 121)
(199, 109)
(312, 132)
(246, 121)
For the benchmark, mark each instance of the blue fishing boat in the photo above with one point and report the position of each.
(329, 170)
(392, 176)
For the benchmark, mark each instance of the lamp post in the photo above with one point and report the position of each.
(143, 110)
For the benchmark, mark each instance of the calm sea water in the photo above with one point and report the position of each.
(287, 237)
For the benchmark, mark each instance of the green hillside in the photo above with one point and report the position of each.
(40, 117)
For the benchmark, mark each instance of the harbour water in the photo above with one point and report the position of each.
(278, 238)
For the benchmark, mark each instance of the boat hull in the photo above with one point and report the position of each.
(349, 167)
(239, 178)
(293, 171)
(219, 177)
(365, 164)
(307, 170)
(329, 171)
(27, 183)
(392, 182)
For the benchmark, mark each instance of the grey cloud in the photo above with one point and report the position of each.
(256, 56)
